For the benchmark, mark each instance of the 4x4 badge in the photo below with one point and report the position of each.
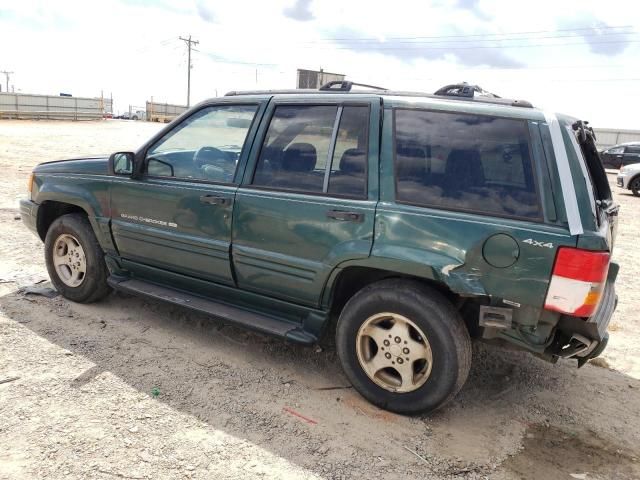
(536, 243)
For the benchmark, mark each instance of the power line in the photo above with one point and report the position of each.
(6, 74)
(382, 46)
(189, 44)
(475, 35)
(415, 41)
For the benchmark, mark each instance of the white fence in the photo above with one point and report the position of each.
(30, 106)
(607, 137)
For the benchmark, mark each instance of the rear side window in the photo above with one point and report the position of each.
(460, 161)
(633, 150)
(316, 149)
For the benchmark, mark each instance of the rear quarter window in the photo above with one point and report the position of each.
(467, 162)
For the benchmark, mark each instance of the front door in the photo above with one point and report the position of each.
(177, 217)
(631, 155)
(307, 202)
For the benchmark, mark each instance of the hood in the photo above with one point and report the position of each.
(632, 167)
(95, 165)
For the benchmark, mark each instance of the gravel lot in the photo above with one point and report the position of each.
(131, 388)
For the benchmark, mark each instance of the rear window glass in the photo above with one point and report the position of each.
(462, 161)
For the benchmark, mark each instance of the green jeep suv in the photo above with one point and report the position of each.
(406, 223)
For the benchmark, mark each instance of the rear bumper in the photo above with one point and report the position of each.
(582, 338)
(29, 214)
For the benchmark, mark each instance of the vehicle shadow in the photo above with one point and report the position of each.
(295, 402)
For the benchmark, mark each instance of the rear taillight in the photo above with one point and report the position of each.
(577, 282)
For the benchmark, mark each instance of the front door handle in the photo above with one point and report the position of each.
(345, 216)
(215, 200)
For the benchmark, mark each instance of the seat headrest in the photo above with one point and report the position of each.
(464, 160)
(353, 161)
(299, 157)
(465, 166)
(411, 151)
(411, 162)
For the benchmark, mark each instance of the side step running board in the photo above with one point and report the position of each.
(230, 314)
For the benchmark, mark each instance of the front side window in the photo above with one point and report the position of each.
(299, 152)
(206, 146)
(463, 161)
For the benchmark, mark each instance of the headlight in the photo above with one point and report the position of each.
(30, 184)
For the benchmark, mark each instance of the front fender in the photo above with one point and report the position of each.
(89, 194)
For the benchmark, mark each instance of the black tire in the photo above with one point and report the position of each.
(635, 186)
(442, 326)
(94, 283)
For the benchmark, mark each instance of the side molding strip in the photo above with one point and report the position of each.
(566, 179)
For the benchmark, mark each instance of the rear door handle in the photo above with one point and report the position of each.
(215, 200)
(345, 216)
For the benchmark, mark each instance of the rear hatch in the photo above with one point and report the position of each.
(603, 207)
(606, 220)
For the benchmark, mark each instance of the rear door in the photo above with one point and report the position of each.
(177, 217)
(461, 202)
(307, 202)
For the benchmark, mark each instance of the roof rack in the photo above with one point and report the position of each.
(463, 90)
(345, 86)
(458, 91)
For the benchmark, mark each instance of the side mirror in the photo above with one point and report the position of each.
(122, 163)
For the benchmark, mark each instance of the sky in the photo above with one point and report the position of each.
(577, 57)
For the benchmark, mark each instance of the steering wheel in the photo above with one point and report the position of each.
(207, 155)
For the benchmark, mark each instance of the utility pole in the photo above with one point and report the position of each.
(6, 74)
(189, 42)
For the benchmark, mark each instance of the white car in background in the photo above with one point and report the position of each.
(629, 178)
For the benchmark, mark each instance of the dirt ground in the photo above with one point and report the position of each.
(132, 388)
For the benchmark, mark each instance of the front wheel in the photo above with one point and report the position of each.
(403, 346)
(635, 186)
(75, 260)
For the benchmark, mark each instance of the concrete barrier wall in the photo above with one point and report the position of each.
(31, 106)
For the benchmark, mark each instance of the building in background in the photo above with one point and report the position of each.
(608, 137)
(315, 78)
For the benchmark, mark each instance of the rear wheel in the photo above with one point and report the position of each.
(635, 186)
(75, 260)
(403, 346)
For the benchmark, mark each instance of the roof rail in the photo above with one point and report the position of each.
(458, 91)
(345, 86)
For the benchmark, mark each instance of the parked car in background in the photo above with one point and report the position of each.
(406, 223)
(620, 155)
(137, 115)
(629, 178)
